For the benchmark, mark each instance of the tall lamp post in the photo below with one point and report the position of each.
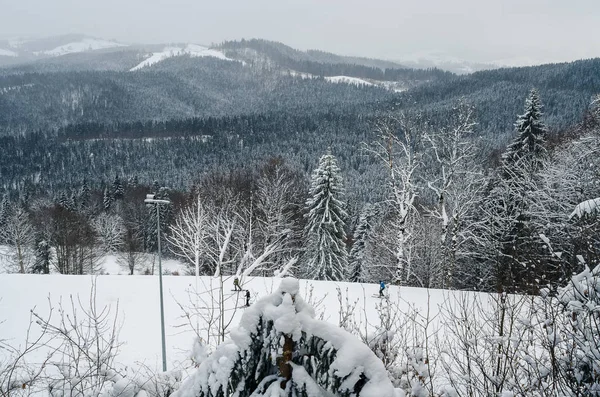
(149, 201)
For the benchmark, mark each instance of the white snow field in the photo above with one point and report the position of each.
(192, 50)
(87, 44)
(138, 303)
(347, 80)
(7, 53)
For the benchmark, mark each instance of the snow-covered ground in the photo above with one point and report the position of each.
(7, 53)
(109, 264)
(192, 50)
(138, 304)
(347, 80)
(115, 265)
(86, 44)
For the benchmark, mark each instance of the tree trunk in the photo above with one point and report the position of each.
(20, 258)
(285, 369)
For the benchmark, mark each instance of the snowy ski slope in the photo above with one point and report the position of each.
(138, 300)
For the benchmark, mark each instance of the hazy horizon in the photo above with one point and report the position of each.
(473, 30)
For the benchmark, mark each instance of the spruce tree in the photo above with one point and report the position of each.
(107, 199)
(326, 257)
(280, 349)
(155, 187)
(84, 195)
(528, 147)
(42, 256)
(165, 213)
(117, 188)
(518, 263)
(63, 201)
(4, 210)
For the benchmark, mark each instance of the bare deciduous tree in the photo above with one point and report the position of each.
(18, 233)
(396, 148)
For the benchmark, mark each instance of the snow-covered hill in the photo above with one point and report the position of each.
(138, 304)
(445, 61)
(7, 53)
(85, 44)
(348, 80)
(28, 49)
(192, 50)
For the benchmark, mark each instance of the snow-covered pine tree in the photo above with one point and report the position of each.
(574, 334)
(530, 141)
(280, 349)
(326, 257)
(166, 213)
(107, 199)
(63, 201)
(4, 209)
(117, 189)
(519, 251)
(43, 254)
(155, 187)
(359, 272)
(84, 196)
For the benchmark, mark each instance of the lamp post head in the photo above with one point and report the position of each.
(151, 200)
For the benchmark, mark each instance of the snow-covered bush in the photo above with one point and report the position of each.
(280, 349)
(575, 334)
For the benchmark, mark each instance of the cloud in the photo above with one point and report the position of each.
(472, 29)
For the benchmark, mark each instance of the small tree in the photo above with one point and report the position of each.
(280, 349)
(110, 230)
(573, 336)
(18, 233)
(43, 255)
(188, 234)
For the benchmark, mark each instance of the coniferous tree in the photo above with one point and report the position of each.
(63, 201)
(529, 144)
(357, 262)
(117, 188)
(107, 199)
(281, 350)
(326, 257)
(4, 207)
(155, 187)
(42, 256)
(84, 195)
(165, 213)
(517, 262)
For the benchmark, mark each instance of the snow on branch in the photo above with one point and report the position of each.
(585, 207)
(281, 349)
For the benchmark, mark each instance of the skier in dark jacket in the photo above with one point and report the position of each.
(381, 288)
(247, 297)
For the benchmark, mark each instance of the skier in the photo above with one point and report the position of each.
(236, 284)
(381, 288)
(247, 297)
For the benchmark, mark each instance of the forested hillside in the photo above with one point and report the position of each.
(428, 193)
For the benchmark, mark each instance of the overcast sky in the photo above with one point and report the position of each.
(477, 30)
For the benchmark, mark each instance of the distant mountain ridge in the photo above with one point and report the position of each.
(23, 50)
(109, 82)
(176, 111)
